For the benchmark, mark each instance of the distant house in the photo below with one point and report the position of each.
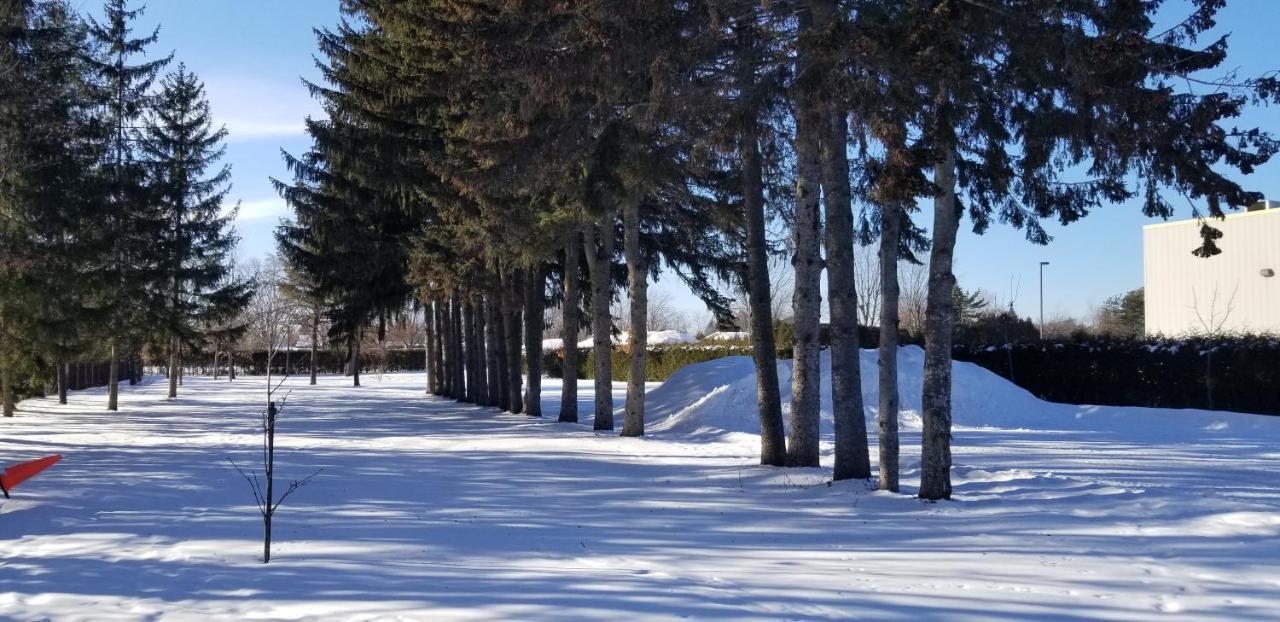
(1235, 291)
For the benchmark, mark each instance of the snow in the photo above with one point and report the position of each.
(727, 336)
(551, 345)
(669, 337)
(617, 340)
(429, 509)
(719, 396)
(655, 338)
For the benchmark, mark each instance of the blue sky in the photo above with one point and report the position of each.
(251, 56)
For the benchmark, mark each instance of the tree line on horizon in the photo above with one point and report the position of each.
(114, 240)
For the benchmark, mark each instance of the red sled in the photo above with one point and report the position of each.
(24, 471)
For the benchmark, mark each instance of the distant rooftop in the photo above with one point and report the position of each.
(1259, 208)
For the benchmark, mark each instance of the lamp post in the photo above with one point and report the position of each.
(1042, 265)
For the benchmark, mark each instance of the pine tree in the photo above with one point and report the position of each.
(193, 240)
(47, 240)
(1009, 98)
(123, 97)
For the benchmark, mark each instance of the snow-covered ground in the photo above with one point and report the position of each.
(432, 510)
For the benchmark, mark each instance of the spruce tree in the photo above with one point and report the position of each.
(192, 238)
(1010, 100)
(123, 96)
(47, 239)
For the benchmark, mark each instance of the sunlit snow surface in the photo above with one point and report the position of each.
(431, 510)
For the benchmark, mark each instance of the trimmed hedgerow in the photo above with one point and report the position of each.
(1236, 373)
(662, 361)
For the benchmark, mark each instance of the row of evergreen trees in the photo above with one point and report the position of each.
(113, 236)
(487, 159)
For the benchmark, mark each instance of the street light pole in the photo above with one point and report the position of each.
(1042, 265)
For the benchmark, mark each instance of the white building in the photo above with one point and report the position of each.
(1235, 291)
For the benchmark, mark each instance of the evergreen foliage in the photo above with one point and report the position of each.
(192, 291)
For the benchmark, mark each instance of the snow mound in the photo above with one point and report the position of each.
(727, 335)
(551, 345)
(720, 396)
(656, 338)
(669, 337)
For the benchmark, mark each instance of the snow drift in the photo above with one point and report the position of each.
(720, 396)
(655, 338)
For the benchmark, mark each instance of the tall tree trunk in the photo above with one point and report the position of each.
(475, 353)
(428, 333)
(173, 368)
(513, 295)
(315, 336)
(569, 323)
(467, 343)
(447, 362)
(481, 360)
(935, 449)
(113, 380)
(355, 358)
(637, 289)
(500, 345)
(852, 456)
(764, 350)
(62, 381)
(6, 392)
(492, 356)
(534, 308)
(600, 263)
(442, 337)
(459, 366)
(464, 359)
(802, 443)
(433, 348)
(887, 413)
(478, 351)
(450, 357)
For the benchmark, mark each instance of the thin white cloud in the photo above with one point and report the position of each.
(257, 109)
(260, 209)
(240, 130)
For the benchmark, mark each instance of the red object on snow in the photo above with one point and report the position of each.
(24, 471)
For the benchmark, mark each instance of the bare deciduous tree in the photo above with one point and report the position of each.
(866, 281)
(913, 299)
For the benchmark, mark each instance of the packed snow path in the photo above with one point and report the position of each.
(432, 510)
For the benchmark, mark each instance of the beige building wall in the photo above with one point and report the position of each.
(1228, 292)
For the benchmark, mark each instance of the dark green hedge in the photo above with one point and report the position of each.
(662, 361)
(1227, 373)
(1223, 373)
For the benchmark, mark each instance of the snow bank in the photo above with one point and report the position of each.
(727, 335)
(720, 396)
(670, 337)
(551, 345)
(617, 340)
(656, 338)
